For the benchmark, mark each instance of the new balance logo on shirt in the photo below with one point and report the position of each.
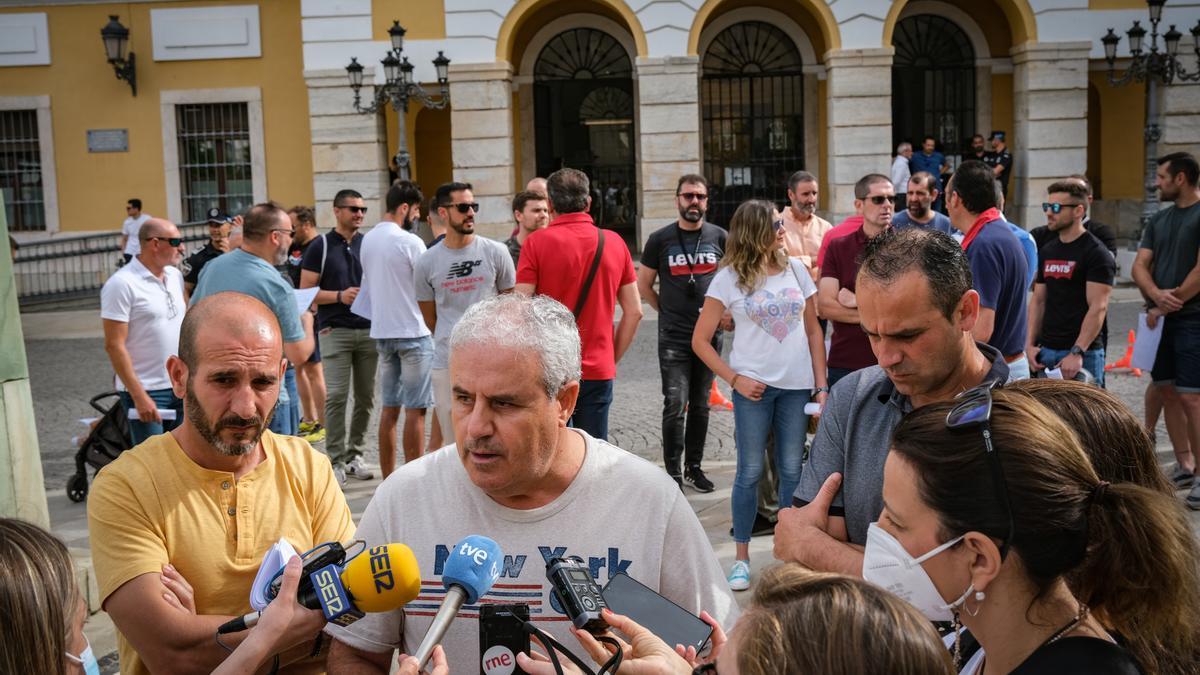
(463, 269)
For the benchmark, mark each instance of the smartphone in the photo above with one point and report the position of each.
(501, 638)
(670, 622)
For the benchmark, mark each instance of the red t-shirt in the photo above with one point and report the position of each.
(556, 261)
(849, 346)
(840, 230)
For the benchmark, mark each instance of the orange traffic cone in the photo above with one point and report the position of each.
(1126, 361)
(717, 400)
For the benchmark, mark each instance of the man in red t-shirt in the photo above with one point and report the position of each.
(849, 348)
(555, 261)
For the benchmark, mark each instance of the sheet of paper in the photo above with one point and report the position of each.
(1146, 346)
(1054, 373)
(276, 558)
(305, 297)
(168, 415)
(362, 304)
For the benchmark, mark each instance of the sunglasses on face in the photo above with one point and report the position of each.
(171, 241)
(355, 209)
(878, 200)
(693, 196)
(975, 411)
(465, 207)
(777, 225)
(1057, 208)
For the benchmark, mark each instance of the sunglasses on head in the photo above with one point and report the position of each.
(1057, 208)
(465, 207)
(172, 241)
(693, 196)
(878, 200)
(355, 209)
(974, 410)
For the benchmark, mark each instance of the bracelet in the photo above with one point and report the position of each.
(733, 382)
(339, 297)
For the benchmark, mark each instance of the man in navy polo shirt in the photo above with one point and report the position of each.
(998, 264)
(335, 264)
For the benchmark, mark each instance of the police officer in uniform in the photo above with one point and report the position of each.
(1000, 159)
(219, 225)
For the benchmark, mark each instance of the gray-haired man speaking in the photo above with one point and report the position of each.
(519, 475)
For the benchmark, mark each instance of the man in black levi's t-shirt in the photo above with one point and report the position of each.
(683, 256)
(1070, 295)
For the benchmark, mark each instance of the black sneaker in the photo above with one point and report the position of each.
(699, 482)
(678, 481)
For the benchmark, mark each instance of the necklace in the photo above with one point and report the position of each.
(1080, 617)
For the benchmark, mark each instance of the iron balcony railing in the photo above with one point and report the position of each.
(73, 267)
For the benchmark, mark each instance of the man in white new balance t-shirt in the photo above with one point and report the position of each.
(142, 307)
(389, 257)
(541, 490)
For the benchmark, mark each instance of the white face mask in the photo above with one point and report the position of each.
(86, 659)
(888, 565)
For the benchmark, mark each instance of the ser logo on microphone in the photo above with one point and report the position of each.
(327, 586)
(381, 569)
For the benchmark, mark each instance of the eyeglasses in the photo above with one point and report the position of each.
(290, 232)
(1057, 208)
(975, 410)
(172, 310)
(878, 200)
(465, 207)
(355, 209)
(693, 196)
(172, 241)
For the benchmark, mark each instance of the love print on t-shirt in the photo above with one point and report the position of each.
(777, 313)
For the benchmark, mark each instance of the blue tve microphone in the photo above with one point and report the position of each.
(470, 571)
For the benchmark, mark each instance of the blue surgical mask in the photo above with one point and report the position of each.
(86, 659)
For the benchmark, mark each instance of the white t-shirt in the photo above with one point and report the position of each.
(129, 228)
(621, 513)
(456, 278)
(769, 340)
(387, 297)
(153, 309)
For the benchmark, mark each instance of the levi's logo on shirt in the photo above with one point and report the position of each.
(1058, 269)
(702, 263)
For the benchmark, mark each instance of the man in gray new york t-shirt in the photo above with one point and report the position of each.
(917, 306)
(453, 275)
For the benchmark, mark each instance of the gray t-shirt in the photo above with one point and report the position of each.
(853, 439)
(1173, 235)
(456, 278)
(620, 513)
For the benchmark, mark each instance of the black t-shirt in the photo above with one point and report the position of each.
(296, 259)
(1066, 269)
(1002, 158)
(1079, 656)
(195, 262)
(342, 270)
(1042, 234)
(681, 256)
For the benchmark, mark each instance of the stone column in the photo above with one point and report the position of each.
(1049, 139)
(349, 150)
(668, 127)
(859, 121)
(481, 141)
(1180, 111)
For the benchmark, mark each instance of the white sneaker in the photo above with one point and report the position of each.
(739, 575)
(356, 469)
(339, 472)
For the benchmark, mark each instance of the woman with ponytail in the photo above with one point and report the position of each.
(991, 505)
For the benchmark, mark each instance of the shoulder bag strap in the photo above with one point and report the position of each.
(587, 283)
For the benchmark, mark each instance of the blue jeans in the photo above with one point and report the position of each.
(591, 410)
(287, 414)
(1093, 361)
(781, 410)
(164, 399)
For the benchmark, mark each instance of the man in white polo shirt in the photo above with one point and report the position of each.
(405, 346)
(142, 307)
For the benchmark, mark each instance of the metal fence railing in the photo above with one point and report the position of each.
(68, 268)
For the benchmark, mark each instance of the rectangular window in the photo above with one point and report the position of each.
(214, 158)
(21, 171)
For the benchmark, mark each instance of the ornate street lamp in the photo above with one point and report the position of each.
(1153, 67)
(116, 39)
(398, 89)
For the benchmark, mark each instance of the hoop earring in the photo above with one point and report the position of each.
(979, 597)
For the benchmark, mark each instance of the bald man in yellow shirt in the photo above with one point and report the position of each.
(207, 500)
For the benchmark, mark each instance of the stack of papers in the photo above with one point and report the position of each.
(274, 561)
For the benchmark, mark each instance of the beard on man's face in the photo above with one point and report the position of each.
(212, 432)
(692, 214)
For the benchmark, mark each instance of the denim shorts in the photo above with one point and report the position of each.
(404, 368)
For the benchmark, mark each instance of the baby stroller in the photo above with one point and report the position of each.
(107, 439)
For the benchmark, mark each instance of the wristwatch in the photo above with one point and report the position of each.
(1076, 350)
(820, 390)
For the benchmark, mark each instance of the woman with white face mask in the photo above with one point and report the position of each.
(989, 505)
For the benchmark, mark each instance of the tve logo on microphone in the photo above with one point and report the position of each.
(499, 660)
